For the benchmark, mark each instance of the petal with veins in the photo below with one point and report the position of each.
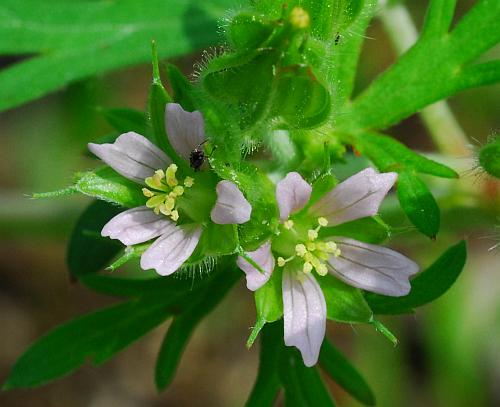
(264, 258)
(292, 194)
(372, 268)
(185, 130)
(170, 250)
(356, 197)
(132, 156)
(231, 206)
(304, 310)
(135, 226)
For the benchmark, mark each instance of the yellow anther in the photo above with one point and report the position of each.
(331, 247)
(178, 190)
(153, 182)
(164, 210)
(323, 221)
(337, 253)
(308, 256)
(322, 255)
(307, 268)
(172, 181)
(157, 209)
(171, 170)
(288, 224)
(281, 261)
(300, 249)
(159, 174)
(312, 234)
(188, 182)
(311, 246)
(147, 193)
(321, 270)
(174, 215)
(155, 200)
(321, 246)
(299, 17)
(169, 203)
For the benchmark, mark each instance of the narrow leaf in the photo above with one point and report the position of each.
(418, 203)
(345, 374)
(267, 384)
(88, 252)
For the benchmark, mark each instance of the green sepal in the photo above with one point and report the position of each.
(269, 304)
(344, 303)
(89, 252)
(181, 87)
(418, 203)
(489, 157)
(368, 230)
(107, 185)
(124, 120)
(248, 31)
(426, 286)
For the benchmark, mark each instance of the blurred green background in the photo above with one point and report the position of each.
(449, 351)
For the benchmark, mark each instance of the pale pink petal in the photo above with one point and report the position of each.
(231, 206)
(137, 225)
(185, 130)
(357, 197)
(264, 258)
(372, 268)
(292, 194)
(304, 313)
(132, 156)
(170, 250)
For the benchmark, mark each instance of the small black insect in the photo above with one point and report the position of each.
(337, 38)
(197, 156)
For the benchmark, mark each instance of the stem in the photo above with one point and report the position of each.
(444, 129)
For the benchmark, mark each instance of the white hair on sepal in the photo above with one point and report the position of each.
(207, 56)
(201, 268)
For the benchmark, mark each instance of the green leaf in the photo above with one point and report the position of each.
(181, 87)
(107, 185)
(73, 40)
(125, 120)
(269, 304)
(343, 302)
(135, 288)
(183, 325)
(418, 203)
(95, 337)
(369, 230)
(426, 286)
(436, 67)
(88, 252)
(390, 155)
(267, 384)
(303, 385)
(345, 374)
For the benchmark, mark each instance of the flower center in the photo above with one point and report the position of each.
(164, 189)
(313, 253)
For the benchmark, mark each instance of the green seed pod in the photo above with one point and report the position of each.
(489, 157)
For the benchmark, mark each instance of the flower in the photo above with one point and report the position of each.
(177, 207)
(300, 251)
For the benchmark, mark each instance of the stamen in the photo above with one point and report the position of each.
(281, 261)
(322, 221)
(147, 193)
(174, 215)
(307, 268)
(300, 249)
(188, 182)
(178, 190)
(312, 234)
(288, 224)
